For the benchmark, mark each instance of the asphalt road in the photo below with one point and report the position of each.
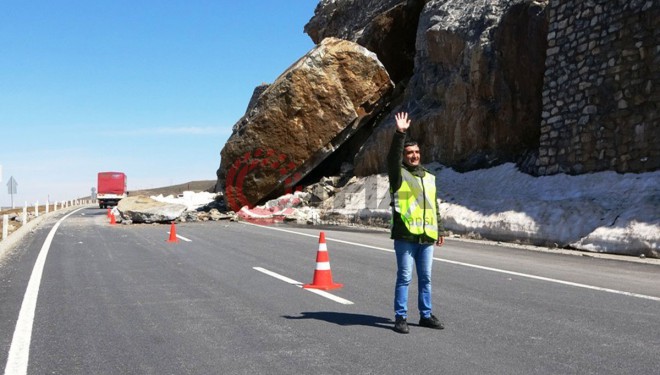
(122, 300)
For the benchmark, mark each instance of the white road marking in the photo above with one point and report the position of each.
(181, 237)
(535, 277)
(19, 351)
(300, 285)
(557, 281)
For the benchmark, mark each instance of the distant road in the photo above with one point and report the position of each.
(225, 299)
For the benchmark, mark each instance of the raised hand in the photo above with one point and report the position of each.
(402, 121)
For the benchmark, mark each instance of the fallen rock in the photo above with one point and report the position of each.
(322, 190)
(212, 215)
(141, 209)
(304, 116)
(289, 207)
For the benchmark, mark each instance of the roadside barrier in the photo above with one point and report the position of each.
(14, 230)
(16, 219)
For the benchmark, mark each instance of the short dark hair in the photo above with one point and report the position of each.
(409, 143)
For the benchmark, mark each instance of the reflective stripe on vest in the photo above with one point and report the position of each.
(415, 202)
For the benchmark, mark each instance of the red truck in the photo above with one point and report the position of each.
(111, 188)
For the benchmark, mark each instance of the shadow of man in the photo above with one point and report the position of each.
(345, 319)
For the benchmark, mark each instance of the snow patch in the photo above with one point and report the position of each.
(601, 212)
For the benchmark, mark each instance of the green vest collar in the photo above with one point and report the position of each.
(418, 171)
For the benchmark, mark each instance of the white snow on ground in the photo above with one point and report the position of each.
(603, 212)
(190, 199)
(599, 212)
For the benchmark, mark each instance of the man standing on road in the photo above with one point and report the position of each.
(415, 225)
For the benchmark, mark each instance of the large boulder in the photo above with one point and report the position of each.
(300, 119)
(142, 209)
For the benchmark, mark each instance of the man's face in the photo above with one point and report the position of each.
(411, 155)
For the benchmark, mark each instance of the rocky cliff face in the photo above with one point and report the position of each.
(471, 74)
(474, 90)
(386, 27)
(490, 83)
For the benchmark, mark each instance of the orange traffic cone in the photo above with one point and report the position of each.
(113, 221)
(173, 234)
(322, 273)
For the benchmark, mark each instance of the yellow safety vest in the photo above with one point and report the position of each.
(415, 202)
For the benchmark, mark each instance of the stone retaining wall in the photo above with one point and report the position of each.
(601, 87)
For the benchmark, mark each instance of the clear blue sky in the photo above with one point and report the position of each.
(150, 88)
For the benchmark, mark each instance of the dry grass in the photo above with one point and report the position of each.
(14, 225)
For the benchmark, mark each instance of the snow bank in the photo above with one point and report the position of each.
(190, 199)
(600, 212)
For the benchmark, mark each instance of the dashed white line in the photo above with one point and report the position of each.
(300, 285)
(548, 279)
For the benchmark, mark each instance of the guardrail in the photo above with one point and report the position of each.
(31, 212)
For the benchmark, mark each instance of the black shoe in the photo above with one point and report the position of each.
(431, 322)
(401, 325)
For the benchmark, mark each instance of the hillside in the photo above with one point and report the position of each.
(196, 186)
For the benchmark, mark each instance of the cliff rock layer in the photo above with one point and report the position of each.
(554, 86)
(386, 27)
(475, 91)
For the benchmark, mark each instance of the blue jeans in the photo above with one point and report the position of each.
(422, 256)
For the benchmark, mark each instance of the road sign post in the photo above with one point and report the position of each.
(12, 187)
(5, 227)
